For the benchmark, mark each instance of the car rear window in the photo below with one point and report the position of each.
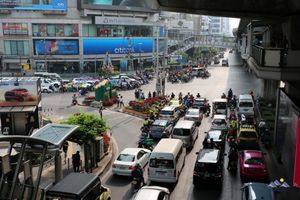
(161, 163)
(156, 128)
(192, 113)
(219, 122)
(166, 112)
(206, 167)
(220, 105)
(181, 132)
(245, 104)
(254, 161)
(248, 134)
(126, 157)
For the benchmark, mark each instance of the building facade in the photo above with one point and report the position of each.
(72, 37)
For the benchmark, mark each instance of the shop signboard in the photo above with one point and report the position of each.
(14, 92)
(60, 5)
(55, 47)
(15, 28)
(92, 46)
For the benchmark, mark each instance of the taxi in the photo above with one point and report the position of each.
(247, 137)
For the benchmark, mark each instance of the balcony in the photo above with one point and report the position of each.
(275, 63)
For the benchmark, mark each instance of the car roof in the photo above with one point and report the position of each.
(150, 192)
(214, 134)
(200, 99)
(220, 117)
(169, 108)
(259, 191)
(160, 122)
(185, 124)
(247, 127)
(131, 150)
(220, 100)
(208, 156)
(193, 110)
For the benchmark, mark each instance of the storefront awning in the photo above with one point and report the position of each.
(17, 109)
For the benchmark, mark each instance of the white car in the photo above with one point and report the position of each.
(152, 193)
(219, 122)
(195, 115)
(128, 158)
(46, 89)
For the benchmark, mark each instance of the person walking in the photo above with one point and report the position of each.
(76, 161)
(100, 110)
(121, 102)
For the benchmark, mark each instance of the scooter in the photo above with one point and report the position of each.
(74, 102)
(136, 184)
(233, 158)
(146, 143)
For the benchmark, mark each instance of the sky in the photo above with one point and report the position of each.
(234, 23)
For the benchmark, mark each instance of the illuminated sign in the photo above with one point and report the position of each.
(26, 5)
(56, 47)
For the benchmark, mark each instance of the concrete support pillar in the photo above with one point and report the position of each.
(270, 89)
(58, 168)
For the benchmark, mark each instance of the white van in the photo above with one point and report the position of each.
(186, 131)
(166, 161)
(245, 105)
(47, 75)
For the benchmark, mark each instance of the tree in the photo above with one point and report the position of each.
(90, 126)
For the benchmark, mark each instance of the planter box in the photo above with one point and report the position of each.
(134, 113)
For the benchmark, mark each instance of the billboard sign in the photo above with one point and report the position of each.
(55, 47)
(60, 5)
(16, 92)
(119, 20)
(117, 45)
(15, 29)
(140, 5)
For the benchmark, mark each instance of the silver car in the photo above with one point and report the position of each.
(152, 193)
(195, 115)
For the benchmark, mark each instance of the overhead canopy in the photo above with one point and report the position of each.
(52, 135)
(17, 109)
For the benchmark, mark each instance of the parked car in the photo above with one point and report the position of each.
(219, 122)
(19, 94)
(247, 137)
(200, 103)
(253, 165)
(161, 128)
(216, 60)
(218, 139)
(46, 89)
(254, 191)
(152, 193)
(224, 62)
(195, 115)
(128, 158)
(208, 167)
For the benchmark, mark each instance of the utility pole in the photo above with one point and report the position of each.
(129, 54)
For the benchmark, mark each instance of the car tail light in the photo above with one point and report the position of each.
(131, 167)
(113, 166)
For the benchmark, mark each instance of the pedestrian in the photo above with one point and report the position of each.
(154, 94)
(149, 95)
(118, 100)
(65, 149)
(76, 161)
(100, 110)
(172, 95)
(142, 95)
(121, 102)
(136, 93)
(198, 95)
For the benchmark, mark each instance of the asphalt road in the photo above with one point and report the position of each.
(125, 129)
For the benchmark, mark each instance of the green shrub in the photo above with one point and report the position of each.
(90, 126)
(114, 93)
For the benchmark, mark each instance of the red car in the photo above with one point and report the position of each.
(19, 94)
(253, 166)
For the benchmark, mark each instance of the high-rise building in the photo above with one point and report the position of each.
(219, 26)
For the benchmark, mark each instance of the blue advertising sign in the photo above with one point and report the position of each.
(56, 47)
(61, 5)
(117, 45)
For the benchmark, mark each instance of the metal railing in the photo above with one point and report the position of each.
(269, 57)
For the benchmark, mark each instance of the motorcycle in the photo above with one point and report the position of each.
(233, 158)
(146, 143)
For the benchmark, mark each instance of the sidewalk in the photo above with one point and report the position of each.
(277, 170)
(48, 175)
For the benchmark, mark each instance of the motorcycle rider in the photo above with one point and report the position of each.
(137, 173)
(229, 93)
(233, 155)
(223, 96)
(198, 95)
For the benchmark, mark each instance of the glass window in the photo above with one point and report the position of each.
(13, 47)
(15, 29)
(85, 30)
(59, 30)
(35, 30)
(51, 30)
(126, 158)
(92, 31)
(161, 163)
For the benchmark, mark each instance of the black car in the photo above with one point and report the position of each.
(161, 128)
(214, 139)
(208, 167)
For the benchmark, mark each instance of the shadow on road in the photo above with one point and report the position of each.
(118, 181)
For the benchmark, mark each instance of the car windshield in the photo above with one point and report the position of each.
(161, 163)
(181, 132)
(166, 112)
(245, 104)
(254, 161)
(192, 112)
(200, 103)
(220, 105)
(248, 134)
(156, 128)
(126, 157)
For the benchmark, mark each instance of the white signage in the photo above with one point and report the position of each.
(182, 24)
(119, 20)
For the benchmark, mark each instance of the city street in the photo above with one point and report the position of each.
(125, 128)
